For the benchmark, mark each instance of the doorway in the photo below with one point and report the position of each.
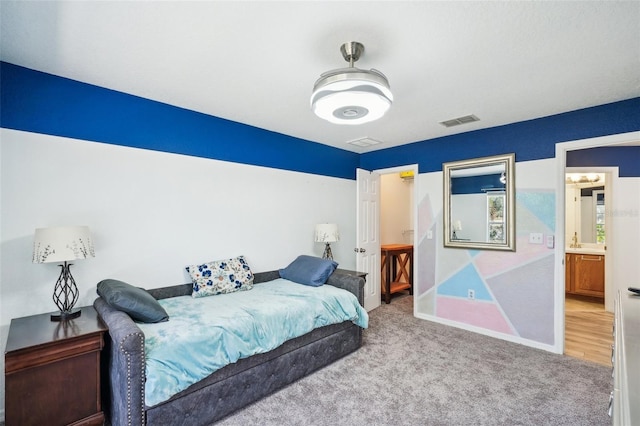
(397, 233)
(587, 199)
(611, 286)
(368, 226)
(587, 321)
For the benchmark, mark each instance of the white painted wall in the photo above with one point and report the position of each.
(572, 213)
(531, 177)
(623, 244)
(465, 208)
(396, 209)
(151, 214)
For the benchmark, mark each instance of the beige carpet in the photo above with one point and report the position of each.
(415, 372)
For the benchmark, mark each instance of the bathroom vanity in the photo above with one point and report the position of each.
(584, 271)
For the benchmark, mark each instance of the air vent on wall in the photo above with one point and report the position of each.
(460, 120)
(364, 142)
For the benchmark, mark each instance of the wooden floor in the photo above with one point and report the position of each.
(588, 330)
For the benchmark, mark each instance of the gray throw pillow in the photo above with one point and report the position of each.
(135, 301)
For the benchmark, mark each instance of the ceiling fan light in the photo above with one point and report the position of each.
(349, 106)
(351, 95)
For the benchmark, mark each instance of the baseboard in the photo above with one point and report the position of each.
(490, 333)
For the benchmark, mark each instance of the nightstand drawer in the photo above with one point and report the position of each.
(34, 357)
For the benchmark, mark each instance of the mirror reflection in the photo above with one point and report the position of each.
(585, 209)
(479, 203)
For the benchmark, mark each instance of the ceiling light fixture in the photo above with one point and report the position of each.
(351, 95)
(579, 178)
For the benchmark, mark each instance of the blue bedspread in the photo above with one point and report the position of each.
(205, 334)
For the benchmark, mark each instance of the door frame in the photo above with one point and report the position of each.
(415, 265)
(630, 138)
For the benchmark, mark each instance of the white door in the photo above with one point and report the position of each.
(368, 234)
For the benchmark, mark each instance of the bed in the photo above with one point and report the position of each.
(228, 388)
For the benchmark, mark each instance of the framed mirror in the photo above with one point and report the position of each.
(479, 203)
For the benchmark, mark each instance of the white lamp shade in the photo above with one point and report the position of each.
(62, 243)
(327, 233)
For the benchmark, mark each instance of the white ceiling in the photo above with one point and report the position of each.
(256, 62)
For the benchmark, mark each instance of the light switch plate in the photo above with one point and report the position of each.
(550, 241)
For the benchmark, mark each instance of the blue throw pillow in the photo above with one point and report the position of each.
(135, 301)
(309, 270)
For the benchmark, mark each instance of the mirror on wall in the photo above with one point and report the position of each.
(585, 209)
(479, 203)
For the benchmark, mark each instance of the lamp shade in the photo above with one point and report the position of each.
(62, 243)
(327, 233)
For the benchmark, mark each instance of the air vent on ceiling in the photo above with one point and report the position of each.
(364, 142)
(460, 120)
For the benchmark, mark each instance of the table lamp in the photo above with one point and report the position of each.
(457, 226)
(327, 233)
(63, 244)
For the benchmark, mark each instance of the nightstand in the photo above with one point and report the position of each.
(52, 370)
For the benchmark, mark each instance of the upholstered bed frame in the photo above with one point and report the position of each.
(229, 388)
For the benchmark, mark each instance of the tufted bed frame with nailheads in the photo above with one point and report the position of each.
(227, 389)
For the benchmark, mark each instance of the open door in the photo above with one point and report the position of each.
(368, 234)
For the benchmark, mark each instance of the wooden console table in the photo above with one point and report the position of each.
(397, 269)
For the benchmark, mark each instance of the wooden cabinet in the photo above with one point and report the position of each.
(584, 274)
(397, 269)
(568, 272)
(52, 370)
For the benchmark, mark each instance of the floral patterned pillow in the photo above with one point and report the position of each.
(221, 276)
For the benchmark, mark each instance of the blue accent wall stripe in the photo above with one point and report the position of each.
(43, 103)
(530, 140)
(476, 184)
(626, 158)
(38, 102)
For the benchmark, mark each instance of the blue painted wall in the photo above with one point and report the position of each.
(476, 184)
(627, 158)
(43, 103)
(530, 140)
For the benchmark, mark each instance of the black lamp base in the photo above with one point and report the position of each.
(65, 295)
(327, 252)
(64, 316)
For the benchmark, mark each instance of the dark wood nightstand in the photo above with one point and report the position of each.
(52, 370)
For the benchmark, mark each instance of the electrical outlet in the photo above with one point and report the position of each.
(535, 238)
(471, 294)
(429, 235)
